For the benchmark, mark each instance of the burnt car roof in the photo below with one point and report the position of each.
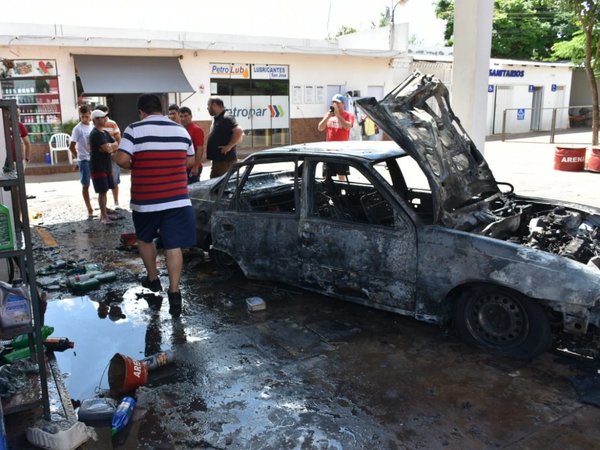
(367, 150)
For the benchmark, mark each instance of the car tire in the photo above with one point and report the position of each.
(502, 321)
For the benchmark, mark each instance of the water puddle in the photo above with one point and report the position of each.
(122, 324)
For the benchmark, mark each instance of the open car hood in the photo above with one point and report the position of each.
(417, 115)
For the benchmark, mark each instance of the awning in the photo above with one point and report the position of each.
(130, 74)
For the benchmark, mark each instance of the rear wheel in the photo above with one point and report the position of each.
(502, 321)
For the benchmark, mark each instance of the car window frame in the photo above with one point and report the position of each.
(401, 216)
(245, 168)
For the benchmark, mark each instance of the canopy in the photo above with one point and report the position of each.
(130, 74)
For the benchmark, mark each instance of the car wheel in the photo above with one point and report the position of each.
(503, 322)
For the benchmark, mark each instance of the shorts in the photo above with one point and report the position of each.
(102, 182)
(84, 173)
(177, 227)
(116, 173)
(219, 168)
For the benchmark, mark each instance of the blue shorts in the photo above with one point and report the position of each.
(177, 227)
(116, 173)
(84, 173)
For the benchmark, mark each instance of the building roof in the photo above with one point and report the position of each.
(58, 35)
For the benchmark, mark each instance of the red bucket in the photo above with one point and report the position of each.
(594, 161)
(569, 158)
(126, 374)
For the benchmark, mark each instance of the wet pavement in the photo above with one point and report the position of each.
(309, 372)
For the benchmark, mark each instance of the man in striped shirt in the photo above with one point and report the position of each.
(158, 151)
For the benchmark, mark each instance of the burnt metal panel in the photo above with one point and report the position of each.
(450, 258)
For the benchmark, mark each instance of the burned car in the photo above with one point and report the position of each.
(460, 248)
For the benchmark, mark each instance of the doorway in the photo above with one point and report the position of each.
(536, 108)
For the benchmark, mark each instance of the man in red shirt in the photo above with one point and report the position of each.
(337, 122)
(197, 135)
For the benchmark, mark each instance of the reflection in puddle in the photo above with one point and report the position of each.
(137, 327)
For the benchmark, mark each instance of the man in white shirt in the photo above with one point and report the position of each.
(80, 148)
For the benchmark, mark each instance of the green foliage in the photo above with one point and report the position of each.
(345, 30)
(573, 49)
(67, 127)
(522, 29)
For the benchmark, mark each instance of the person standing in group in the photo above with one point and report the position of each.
(102, 146)
(80, 149)
(224, 135)
(197, 135)
(158, 151)
(173, 113)
(337, 123)
(113, 130)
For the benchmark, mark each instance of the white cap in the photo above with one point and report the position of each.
(96, 114)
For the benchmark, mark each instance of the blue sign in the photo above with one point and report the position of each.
(521, 114)
(531, 88)
(553, 88)
(490, 88)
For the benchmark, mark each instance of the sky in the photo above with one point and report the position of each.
(314, 19)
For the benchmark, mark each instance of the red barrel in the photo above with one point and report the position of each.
(569, 158)
(594, 161)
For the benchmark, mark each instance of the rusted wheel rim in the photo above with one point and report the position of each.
(497, 319)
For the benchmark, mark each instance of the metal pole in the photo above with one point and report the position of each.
(553, 126)
(503, 124)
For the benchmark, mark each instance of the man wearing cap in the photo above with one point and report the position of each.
(102, 146)
(337, 122)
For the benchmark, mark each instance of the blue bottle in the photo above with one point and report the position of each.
(122, 414)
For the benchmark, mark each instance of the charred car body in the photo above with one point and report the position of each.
(463, 248)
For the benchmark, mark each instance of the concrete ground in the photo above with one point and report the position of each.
(309, 372)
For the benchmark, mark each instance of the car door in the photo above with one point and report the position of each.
(356, 242)
(256, 221)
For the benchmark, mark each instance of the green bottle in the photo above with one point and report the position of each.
(105, 277)
(22, 340)
(7, 240)
(86, 285)
(15, 355)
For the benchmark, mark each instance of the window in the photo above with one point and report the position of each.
(352, 197)
(268, 187)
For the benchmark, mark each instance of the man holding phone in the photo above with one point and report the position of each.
(337, 123)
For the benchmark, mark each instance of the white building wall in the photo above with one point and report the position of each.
(555, 84)
(352, 73)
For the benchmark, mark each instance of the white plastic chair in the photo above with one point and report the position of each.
(60, 142)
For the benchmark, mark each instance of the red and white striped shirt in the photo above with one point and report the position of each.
(159, 149)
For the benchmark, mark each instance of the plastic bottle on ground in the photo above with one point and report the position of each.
(122, 414)
(58, 344)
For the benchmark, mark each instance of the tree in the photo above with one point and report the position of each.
(522, 29)
(345, 30)
(584, 49)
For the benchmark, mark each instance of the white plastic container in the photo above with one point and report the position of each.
(15, 306)
(255, 304)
